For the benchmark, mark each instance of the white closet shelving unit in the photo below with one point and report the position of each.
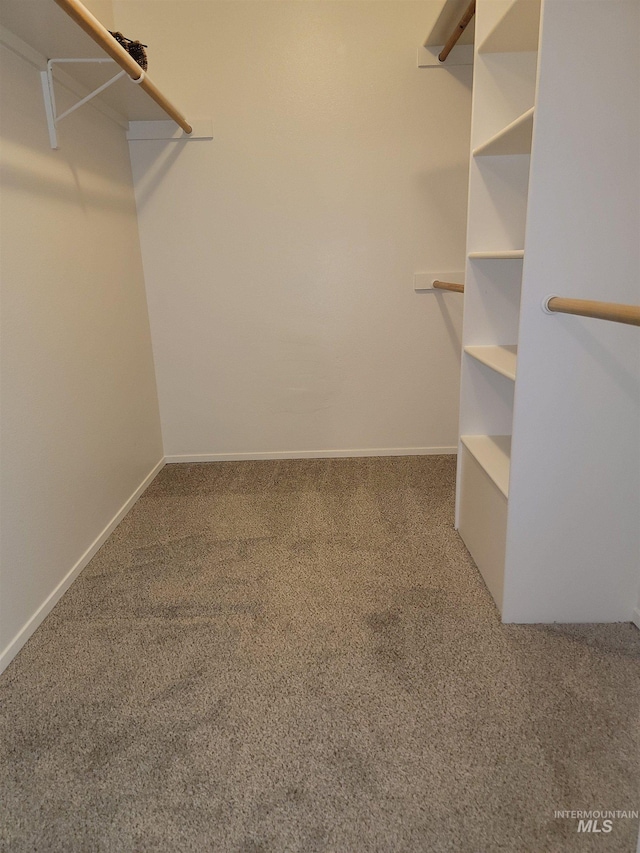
(502, 127)
(549, 456)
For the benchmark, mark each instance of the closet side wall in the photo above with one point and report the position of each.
(80, 424)
(279, 257)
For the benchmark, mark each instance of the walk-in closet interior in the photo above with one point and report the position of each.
(302, 236)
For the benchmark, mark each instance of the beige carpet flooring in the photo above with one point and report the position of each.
(300, 656)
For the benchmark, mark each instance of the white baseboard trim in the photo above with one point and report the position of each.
(636, 617)
(49, 603)
(311, 454)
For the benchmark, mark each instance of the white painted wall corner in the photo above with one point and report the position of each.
(50, 602)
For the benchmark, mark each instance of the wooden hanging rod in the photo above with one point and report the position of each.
(460, 28)
(614, 311)
(101, 35)
(448, 285)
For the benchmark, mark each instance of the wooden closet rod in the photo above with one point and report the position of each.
(460, 28)
(101, 35)
(600, 310)
(448, 285)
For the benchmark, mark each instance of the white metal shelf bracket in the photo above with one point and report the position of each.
(46, 78)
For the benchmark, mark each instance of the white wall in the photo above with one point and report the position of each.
(279, 257)
(80, 424)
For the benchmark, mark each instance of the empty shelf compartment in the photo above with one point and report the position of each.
(516, 31)
(515, 138)
(493, 454)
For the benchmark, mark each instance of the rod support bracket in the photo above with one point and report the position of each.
(46, 78)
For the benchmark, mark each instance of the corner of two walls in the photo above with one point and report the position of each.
(279, 256)
(80, 423)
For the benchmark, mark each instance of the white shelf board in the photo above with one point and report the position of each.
(502, 359)
(52, 34)
(504, 254)
(493, 454)
(515, 138)
(516, 31)
(450, 14)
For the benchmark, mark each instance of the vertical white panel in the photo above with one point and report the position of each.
(573, 549)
